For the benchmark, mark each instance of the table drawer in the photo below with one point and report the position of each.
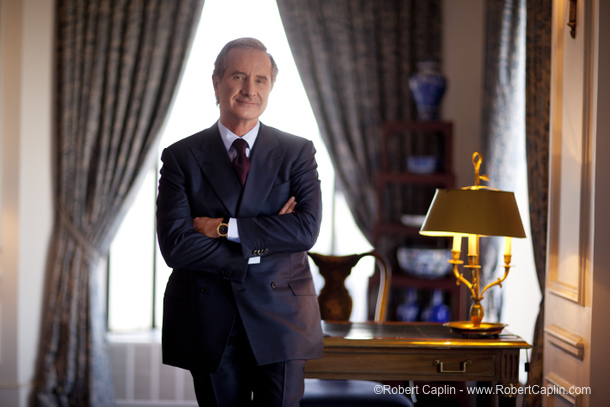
(414, 364)
(464, 364)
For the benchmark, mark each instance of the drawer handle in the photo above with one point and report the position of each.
(442, 370)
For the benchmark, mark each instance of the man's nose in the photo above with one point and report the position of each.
(249, 88)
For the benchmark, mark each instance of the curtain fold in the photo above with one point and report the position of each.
(503, 126)
(355, 58)
(117, 66)
(538, 102)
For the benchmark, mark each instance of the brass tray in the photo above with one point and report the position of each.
(468, 328)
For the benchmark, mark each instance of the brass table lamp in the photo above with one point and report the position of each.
(474, 212)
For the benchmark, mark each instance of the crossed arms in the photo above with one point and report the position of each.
(209, 226)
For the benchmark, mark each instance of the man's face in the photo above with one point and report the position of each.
(244, 88)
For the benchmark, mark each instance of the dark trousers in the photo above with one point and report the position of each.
(240, 382)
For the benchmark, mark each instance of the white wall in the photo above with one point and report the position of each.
(26, 35)
(463, 46)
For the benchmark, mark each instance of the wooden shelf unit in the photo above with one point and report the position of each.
(385, 225)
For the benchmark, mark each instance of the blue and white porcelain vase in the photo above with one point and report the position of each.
(436, 311)
(408, 310)
(428, 87)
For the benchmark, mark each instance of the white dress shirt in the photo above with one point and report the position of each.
(228, 137)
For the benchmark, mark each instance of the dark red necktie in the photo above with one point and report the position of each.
(241, 162)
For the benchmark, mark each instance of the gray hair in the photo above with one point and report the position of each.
(220, 66)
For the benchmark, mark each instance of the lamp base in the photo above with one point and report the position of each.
(468, 328)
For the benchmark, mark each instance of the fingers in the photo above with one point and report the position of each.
(288, 206)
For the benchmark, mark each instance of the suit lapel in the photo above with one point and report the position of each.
(216, 167)
(265, 161)
(213, 160)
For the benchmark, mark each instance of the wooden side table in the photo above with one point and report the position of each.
(417, 351)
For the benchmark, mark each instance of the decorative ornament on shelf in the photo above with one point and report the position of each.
(436, 311)
(409, 310)
(474, 212)
(428, 87)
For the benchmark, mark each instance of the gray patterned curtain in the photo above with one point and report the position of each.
(538, 102)
(503, 119)
(118, 63)
(355, 58)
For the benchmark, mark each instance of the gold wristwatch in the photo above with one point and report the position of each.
(223, 228)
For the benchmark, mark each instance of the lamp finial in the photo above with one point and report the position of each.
(477, 159)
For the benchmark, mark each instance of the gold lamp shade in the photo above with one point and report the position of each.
(473, 211)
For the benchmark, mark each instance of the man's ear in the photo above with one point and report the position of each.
(215, 83)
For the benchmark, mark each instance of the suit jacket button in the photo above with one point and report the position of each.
(273, 284)
(265, 251)
(203, 290)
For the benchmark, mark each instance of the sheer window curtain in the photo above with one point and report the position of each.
(117, 66)
(503, 127)
(355, 58)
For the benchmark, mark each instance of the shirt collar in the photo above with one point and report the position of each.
(228, 137)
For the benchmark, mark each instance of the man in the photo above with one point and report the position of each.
(240, 310)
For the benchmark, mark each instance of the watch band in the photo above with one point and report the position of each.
(223, 228)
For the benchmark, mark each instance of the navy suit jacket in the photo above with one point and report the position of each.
(211, 279)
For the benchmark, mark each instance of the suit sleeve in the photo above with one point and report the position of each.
(295, 232)
(181, 246)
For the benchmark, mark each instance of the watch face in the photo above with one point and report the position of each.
(223, 229)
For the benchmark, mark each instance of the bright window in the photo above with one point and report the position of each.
(137, 273)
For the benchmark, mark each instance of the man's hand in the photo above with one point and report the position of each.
(288, 206)
(207, 226)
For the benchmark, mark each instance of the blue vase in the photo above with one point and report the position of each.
(408, 310)
(436, 311)
(428, 87)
